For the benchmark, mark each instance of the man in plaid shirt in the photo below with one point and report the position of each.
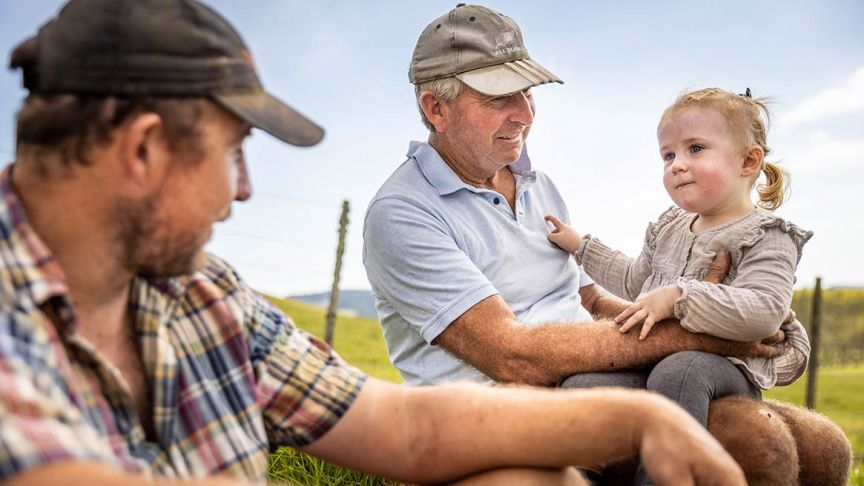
(127, 354)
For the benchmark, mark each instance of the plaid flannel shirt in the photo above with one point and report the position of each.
(231, 377)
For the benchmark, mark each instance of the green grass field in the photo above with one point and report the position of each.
(840, 396)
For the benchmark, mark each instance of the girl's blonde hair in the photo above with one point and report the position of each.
(744, 117)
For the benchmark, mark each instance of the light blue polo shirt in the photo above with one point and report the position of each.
(435, 246)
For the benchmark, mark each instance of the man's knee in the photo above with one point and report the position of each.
(824, 452)
(757, 437)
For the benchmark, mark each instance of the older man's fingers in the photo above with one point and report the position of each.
(718, 268)
(777, 337)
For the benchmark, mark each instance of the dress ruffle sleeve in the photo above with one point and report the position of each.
(618, 273)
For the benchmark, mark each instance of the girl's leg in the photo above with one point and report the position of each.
(693, 378)
(623, 379)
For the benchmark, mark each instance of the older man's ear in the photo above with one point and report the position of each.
(434, 109)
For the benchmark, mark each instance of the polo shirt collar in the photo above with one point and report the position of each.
(442, 177)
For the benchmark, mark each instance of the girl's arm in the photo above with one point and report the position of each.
(754, 304)
(616, 272)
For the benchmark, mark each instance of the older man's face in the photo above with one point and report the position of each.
(489, 131)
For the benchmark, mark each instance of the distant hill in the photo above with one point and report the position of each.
(355, 302)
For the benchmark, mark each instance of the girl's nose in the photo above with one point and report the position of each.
(678, 165)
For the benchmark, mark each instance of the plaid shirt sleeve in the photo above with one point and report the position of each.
(303, 386)
(39, 424)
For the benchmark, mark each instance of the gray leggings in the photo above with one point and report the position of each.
(690, 378)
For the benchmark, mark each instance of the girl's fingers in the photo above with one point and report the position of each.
(555, 221)
(634, 319)
(629, 311)
(646, 327)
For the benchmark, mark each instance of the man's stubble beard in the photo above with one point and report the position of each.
(146, 248)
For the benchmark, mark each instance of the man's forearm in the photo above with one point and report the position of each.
(441, 433)
(606, 306)
(551, 353)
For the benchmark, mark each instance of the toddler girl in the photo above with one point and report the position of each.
(713, 147)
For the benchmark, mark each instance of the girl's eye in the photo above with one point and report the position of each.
(696, 148)
(668, 157)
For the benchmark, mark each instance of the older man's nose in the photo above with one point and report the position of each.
(523, 108)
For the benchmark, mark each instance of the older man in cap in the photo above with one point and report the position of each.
(128, 354)
(466, 283)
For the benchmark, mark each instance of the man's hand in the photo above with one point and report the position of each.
(563, 236)
(677, 450)
(719, 267)
(652, 308)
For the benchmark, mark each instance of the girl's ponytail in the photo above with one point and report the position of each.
(773, 191)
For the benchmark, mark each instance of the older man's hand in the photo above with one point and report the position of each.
(770, 347)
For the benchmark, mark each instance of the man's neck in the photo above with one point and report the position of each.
(68, 218)
(500, 180)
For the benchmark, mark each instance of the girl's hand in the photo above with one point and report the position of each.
(653, 308)
(563, 236)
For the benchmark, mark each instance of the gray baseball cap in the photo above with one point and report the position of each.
(480, 47)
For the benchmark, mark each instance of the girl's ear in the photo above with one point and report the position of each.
(752, 161)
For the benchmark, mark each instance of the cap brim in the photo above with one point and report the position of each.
(508, 78)
(263, 110)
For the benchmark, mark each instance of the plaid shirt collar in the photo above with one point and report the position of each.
(34, 273)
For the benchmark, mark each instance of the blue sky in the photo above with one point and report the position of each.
(344, 63)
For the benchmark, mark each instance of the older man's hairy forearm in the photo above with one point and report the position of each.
(489, 337)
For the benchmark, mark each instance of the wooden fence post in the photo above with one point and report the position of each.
(334, 290)
(815, 325)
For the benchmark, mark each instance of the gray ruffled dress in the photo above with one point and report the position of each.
(748, 305)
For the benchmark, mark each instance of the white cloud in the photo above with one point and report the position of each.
(820, 151)
(831, 102)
